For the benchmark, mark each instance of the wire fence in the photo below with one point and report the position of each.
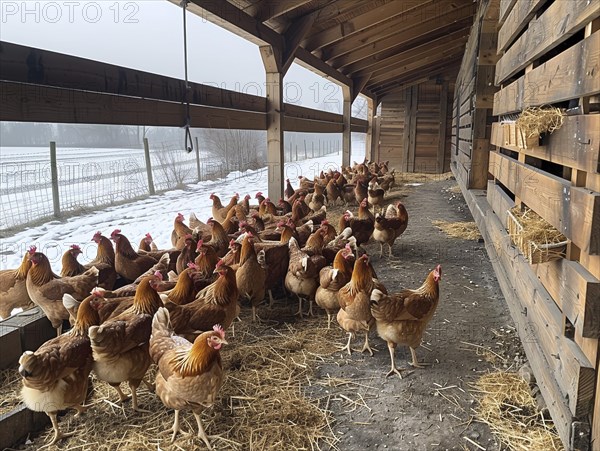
(87, 179)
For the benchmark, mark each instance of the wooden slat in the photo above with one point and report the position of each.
(576, 292)
(30, 103)
(516, 21)
(292, 110)
(65, 71)
(499, 201)
(506, 7)
(572, 74)
(576, 144)
(560, 21)
(573, 211)
(509, 268)
(297, 124)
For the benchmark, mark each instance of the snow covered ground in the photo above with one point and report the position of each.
(154, 214)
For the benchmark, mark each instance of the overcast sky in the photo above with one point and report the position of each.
(148, 35)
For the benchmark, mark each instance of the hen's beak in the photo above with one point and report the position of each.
(224, 342)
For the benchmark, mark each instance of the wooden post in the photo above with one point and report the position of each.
(305, 152)
(148, 167)
(441, 157)
(54, 180)
(347, 131)
(296, 148)
(370, 124)
(410, 129)
(272, 60)
(198, 168)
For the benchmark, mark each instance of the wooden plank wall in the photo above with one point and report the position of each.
(473, 99)
(548, 53)
(415, 127)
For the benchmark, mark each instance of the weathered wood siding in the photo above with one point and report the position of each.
(415, 127)
(548, 53)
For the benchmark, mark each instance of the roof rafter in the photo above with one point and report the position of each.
(403, 39)
(432, 71)
(431, 48)
(415, 68)
(443, 11)
(358, 23)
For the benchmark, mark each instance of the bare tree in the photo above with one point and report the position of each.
(171, 166)
(237, 149)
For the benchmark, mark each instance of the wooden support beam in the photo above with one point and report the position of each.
(347, 133)
(441, 156)
(358, 85)
(315, 64)
(275, 121)
(292, 37)
(265, 10)
(410, 129)
(233, 19)
(369, 137)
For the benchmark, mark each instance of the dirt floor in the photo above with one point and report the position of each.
(471, 334)
(429, 409)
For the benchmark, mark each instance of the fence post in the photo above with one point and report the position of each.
(312, 145)
(305, 154)
(198, 160)
(148, 167)
(54, 180)
(296, 152)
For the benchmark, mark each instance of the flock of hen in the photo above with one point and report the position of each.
(173, 307)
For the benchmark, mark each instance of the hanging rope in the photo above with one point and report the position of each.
(189, 145)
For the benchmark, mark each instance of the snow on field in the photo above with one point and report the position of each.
(154, 214)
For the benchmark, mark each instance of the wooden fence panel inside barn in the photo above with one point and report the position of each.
(414, 125)
(548, 54)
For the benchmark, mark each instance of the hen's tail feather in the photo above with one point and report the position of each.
(162, 322)
(69, 302)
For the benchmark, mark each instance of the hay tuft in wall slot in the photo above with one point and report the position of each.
(538, 240)
(534, 121)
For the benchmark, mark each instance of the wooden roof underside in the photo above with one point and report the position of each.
(374, 46)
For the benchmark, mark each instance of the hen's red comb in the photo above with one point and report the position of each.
(32, 250)
(219, 329)
(98, 291)
(158, 275)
